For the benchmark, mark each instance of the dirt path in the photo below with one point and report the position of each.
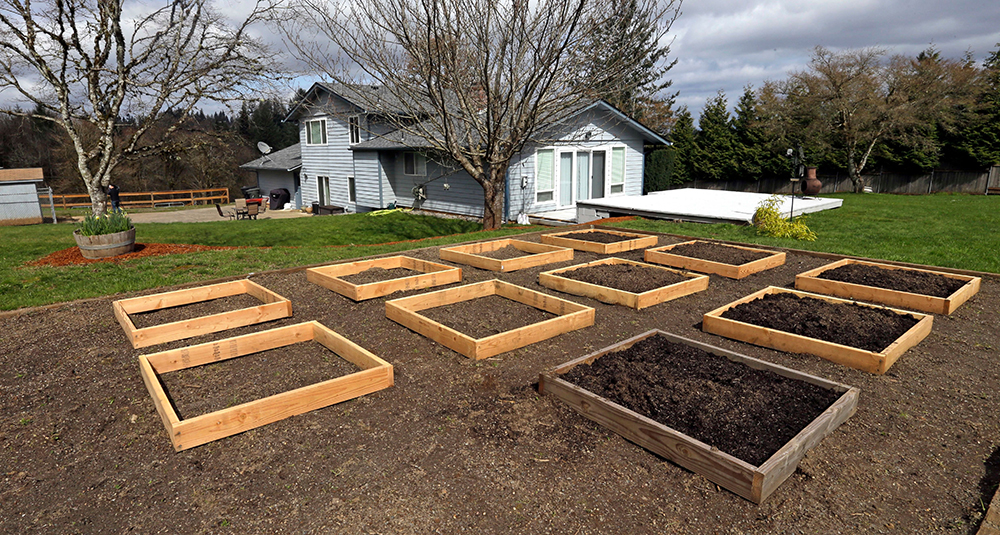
(469, 446)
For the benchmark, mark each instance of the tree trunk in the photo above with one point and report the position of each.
(852, 171)
(493, 193)
(98, 197)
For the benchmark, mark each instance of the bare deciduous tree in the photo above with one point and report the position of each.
(851, 101)
(480, 79)
(86, 64)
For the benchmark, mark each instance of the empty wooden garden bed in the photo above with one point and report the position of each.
(571, 316)
(375, 375)
(430, 274)
(536, 254)
(274, 307)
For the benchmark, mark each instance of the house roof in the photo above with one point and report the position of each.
(286, 159)
(399, 140)
(31, 174)
(367, 98)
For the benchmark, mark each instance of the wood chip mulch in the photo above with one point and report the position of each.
(72, 255)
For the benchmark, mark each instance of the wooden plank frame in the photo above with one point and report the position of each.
(810, 281)
(431, 274)
(538, 254)
(375, 374)
(274, 307)
(552, 279)
(754, 483)
(660, 255)
(566, 239)
(572, 316)
(860, 359)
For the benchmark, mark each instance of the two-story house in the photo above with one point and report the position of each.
(351, 157)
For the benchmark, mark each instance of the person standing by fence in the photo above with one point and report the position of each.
(113, 195)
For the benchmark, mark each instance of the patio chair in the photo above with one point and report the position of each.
(226, 213)
(252, 210)
(241, 208)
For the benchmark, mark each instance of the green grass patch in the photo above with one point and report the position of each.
(267, 245)
(947, 230)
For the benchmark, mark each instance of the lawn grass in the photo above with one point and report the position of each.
(948, 230)
(266, 244)
(958, 231)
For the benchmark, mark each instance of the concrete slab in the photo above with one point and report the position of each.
(699, 205)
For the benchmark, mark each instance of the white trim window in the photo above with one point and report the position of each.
(617, 171)
(354, 127)
(545, 184)
(316, 132)
(414, 164)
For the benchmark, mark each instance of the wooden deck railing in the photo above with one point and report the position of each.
(184, 197)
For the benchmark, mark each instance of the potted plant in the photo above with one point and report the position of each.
(105, 235)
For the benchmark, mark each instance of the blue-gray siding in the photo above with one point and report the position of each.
(19, 204)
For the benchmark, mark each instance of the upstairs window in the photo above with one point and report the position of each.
(414, 164)
(354, 126)
(316, 132)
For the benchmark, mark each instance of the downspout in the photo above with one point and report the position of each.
(506, 196)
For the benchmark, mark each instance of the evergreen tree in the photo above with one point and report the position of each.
(681, 137)
(980, 138)
(658, 171)
(715, 154)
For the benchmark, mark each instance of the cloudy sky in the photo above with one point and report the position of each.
(727, 44)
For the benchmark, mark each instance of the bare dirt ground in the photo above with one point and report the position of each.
(469, 446)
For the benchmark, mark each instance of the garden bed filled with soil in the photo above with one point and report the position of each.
(469, 445)
(734, 262)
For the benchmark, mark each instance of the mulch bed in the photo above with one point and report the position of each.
(903, 280)
(868, 328)
(141, 320)
(716, 252)
(73, 256)
(598, 236)
(747, 413)
(377, 274)
(461, 445)
(486, 316)
(504, 253)
(625, 277)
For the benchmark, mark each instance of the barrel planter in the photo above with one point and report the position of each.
(105, 245)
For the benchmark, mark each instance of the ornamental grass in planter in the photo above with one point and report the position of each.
(105, 235)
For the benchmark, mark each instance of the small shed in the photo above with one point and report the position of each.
(19, 190)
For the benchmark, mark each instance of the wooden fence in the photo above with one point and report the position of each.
(942, 180)
(147, 199)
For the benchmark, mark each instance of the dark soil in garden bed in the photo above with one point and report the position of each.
(141, 320)
(486, 316)
(747, 413)
(715, 252)
(224, 384)
(903, 280)
(625, 277)
(377, 274)
(460, 445)
(503, 253)
(862, 327)
(599, 237)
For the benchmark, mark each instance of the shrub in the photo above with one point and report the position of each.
(105, 224)
(770, 222)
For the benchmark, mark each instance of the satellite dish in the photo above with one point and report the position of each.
(264, 148)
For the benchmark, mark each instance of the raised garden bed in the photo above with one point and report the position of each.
(429, 274)
(532, 254)
(910, 288)
(274, 307)
(571, 316)
(850, 319)
(729, 402)
(624, 282)
(600, 241)
(375, 375)
(731, 261)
